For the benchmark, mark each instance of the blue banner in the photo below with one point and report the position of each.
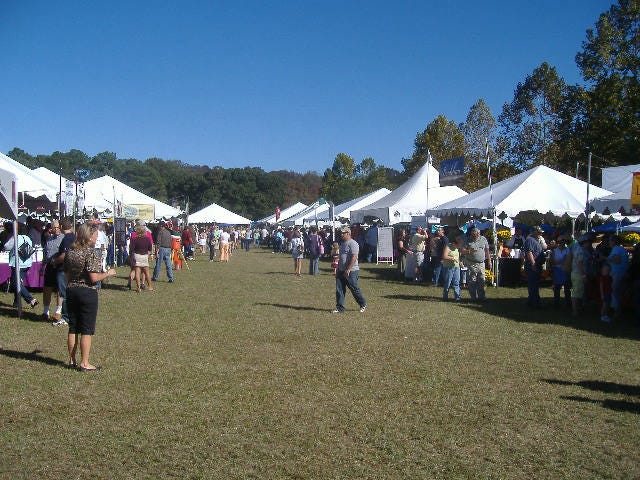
(452, 172)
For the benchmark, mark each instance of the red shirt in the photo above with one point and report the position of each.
(186, 237)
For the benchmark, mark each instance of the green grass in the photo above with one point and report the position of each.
(240, 370)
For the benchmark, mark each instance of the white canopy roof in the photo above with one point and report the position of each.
(27, 181)
(541, 189)
(344, 209)
(310, 211)
(634, 227)
(284, 214)
(49, 177)
(409, 199)
(214, 213)
(99, 194)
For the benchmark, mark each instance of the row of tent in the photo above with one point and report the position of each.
(539, 189)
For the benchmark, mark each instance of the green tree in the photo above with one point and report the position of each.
(442, 138)
(479, 130)
(610, 64)
(531, 123)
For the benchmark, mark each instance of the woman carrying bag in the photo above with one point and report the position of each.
(25, 251)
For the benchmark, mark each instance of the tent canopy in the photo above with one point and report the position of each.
(28, 181)
(344, 209)
(8, 198)
(284, 214)
(413, 197)
(214, 213)
(539, 189)
(49, 177)
(99, 194)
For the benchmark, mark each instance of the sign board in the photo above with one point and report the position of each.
(452, 172)
(635, 191)
(385, 245)
(142, 211)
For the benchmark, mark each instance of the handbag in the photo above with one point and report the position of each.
(320, 246)
(25, 251)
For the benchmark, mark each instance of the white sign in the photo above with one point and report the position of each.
(385, 245)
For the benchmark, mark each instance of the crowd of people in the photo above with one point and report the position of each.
(583, 271)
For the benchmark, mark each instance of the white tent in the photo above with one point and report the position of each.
(413, 197)
(617, 180)
(540, 189)
(634, 227)
(214, 213)
(28, 182)
(344, 209)
(100, 192)
(284, 214)
(49, 177)
(299, 218)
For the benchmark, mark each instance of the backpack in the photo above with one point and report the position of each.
(25, 251)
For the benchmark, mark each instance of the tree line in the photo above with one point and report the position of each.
(548, 122)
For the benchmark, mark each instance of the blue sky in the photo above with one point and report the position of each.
(276, 85)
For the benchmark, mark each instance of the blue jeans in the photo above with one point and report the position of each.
(451, 279)
(61, 278)
(23, 290)
(533, 285)
(164, 255)
(437, 269)
(313, 265)
(351, 283)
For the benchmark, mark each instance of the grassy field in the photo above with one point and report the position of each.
(240, 370)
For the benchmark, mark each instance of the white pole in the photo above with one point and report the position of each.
(586, 208)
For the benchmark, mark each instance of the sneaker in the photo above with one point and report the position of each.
(60, 323)
(335, 310)
(57, 315)
(171, 280)
(45, 317)
(363, 308)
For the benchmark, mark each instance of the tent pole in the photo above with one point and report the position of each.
(16, 268)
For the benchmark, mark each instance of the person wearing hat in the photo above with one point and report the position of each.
(534, 258)
(476, 252)
(347, 273)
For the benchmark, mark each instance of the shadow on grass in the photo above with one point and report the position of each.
(32, 357)
(617, 405)
(292, 307)
(516, 309)
(400, 296)
(604, 387)
(386, 274)
(28, 313)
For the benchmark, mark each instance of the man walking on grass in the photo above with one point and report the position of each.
(347, 273)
